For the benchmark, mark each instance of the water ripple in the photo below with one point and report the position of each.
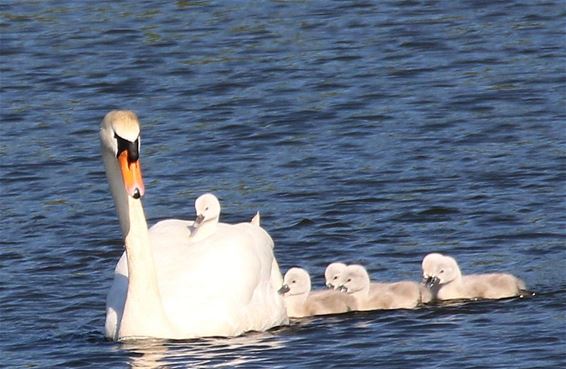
(367, 132)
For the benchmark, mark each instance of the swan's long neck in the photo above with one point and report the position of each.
(143, 314)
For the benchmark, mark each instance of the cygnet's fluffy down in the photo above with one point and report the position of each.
(355, 281)
(332, 274)
(208, 210)
(443, 278)
(301, 302)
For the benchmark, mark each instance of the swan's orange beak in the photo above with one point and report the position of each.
(131, 173)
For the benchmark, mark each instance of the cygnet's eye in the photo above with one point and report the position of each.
(335, 277)
(441, 271)
(349, 280)
(206, 209)
(293, 281)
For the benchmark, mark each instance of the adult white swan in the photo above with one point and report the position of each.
(167, 286)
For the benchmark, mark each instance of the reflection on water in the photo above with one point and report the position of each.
(147, 353)
(209, 352)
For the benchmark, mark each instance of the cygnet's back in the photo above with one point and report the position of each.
(493, 285)
(376, 296)
(442, 276)
(406, 294)
(324, 302)
(301, 302)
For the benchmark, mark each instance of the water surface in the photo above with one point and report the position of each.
(366, 132)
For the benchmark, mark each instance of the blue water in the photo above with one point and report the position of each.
(367, 132)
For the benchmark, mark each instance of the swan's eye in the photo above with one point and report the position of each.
(131, 147)
(349, 280)
(293, 281)
(335, 277)
(441, 271)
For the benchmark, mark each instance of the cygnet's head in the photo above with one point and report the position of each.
(297, 281)
(332, 274)
(439, 269)
(354, 278)
(207, 207)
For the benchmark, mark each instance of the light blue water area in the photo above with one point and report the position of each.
(366, 132)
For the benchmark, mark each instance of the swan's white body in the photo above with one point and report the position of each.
(168, 284)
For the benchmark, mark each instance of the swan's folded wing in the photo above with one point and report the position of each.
(220, 285)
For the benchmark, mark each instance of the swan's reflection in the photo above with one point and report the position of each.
(207, 352)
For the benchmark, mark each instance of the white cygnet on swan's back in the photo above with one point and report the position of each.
(442, 276)
(355, 281)
(208, 209)
(301, 302)
(332, 274)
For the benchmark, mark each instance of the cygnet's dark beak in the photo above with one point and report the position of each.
(342, 289)
(431, 281)
(284, 289)
(199, 219)
(330, 285)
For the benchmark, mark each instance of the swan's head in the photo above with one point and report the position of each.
(207, 207)
(354, 278)
(332, 274)
(120, 139)
(439, 269)
(297, 281)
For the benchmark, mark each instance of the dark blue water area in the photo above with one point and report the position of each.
(368, 132)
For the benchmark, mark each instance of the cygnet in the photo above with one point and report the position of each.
(355, 281)
(442, 276)
(301, 302)
(207, 208)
